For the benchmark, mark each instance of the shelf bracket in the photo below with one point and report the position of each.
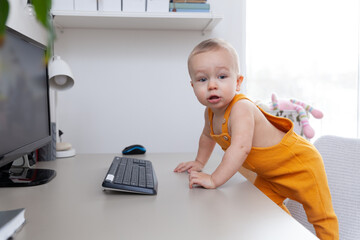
(206, 27)
(59, 27)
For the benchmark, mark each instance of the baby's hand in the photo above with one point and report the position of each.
(189, 166)
(201, 179)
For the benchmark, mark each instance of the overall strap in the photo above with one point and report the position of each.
(211, 115)
(226, 115)
(228, 111)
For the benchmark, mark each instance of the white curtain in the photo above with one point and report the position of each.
(306, 50)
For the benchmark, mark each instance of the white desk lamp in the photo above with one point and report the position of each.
(60, 79)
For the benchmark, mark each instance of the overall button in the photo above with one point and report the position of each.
(224, 121)
(226, 138)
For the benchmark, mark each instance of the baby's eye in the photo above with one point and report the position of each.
(202, 79)
(222, 76)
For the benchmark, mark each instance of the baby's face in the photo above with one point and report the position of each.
(214, 78)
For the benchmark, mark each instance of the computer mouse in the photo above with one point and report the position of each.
(134, 149)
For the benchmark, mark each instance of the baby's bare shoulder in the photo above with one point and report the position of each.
(244, 106)
(246, 109)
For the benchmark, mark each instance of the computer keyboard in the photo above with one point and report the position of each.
(131, 175)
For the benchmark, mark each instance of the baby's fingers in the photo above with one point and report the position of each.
(201, 179)
(194, 179)
(182, 167)
(179, 167)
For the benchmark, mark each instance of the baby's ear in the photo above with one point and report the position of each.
(240, 78)
(239, 81)
(191, 83)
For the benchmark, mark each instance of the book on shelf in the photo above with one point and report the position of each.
(190, 5)
(188, 10)
(189, 1)
(11, 221)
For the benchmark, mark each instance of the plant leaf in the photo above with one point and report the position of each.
(4, 12)
(42, 10)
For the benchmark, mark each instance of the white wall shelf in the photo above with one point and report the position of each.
(145, 21)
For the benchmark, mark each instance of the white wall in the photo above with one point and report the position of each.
(133, 86)
(19, 20)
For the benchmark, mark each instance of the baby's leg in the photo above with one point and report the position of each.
(317, 204)
(267, 188)
(315, 197)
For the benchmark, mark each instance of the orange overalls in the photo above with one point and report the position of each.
(291, 169)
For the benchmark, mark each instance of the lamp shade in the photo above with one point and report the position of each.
(60, 75)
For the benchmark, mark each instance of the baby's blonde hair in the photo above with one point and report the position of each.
(215, 44)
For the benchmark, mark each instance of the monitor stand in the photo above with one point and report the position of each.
(24, 175)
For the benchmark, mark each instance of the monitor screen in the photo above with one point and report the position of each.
(24, 97)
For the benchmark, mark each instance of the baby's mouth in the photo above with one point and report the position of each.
(214, 99)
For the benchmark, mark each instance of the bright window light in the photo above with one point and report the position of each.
(306, 50)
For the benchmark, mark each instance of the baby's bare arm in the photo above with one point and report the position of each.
(241, 124)
(206, 143)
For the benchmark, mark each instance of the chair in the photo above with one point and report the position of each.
(342, 164)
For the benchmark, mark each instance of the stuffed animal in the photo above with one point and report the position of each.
(301, 108)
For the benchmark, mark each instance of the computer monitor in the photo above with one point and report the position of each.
(25, 124)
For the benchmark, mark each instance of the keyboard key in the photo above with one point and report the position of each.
(135, 175)
(142, 177)
(109, 178)
(127, 176)
(121, 172)
(149, 181)
(114, 166)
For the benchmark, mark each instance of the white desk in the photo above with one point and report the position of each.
(74, 206)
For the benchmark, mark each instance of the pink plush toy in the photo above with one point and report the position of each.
(301, 108)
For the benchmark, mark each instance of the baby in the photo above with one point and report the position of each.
(287, 166)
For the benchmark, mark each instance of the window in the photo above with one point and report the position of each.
(306, 50)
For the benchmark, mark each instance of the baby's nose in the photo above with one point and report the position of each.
(212, 84)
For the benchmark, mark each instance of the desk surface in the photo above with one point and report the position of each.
(74, 206)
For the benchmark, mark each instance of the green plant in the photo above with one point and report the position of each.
(42, 10)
